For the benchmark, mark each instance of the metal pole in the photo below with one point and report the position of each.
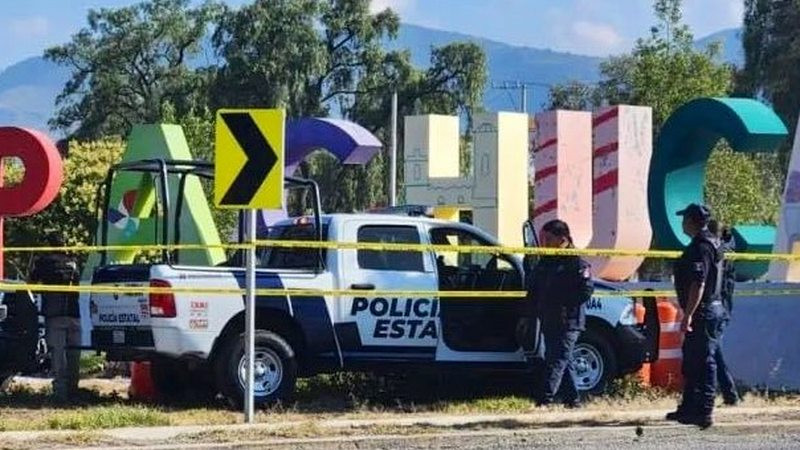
(393, 155)
(524, 98)
(250, 313)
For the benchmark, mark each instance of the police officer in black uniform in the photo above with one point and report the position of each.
(698, 282)
(560, 287)
(62, 317)
(727, 386)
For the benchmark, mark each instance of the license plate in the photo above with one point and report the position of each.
(118, 336)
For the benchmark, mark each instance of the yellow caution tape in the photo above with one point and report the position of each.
(486, 249)
(122, 248)
(132, 289)
(499, 249)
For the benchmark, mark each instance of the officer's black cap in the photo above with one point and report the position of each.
(698, 213)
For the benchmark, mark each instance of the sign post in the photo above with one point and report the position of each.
(248, 175)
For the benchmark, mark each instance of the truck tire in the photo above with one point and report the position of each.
(5, 380)
(275, 369)
(595, 362)
(169, 377)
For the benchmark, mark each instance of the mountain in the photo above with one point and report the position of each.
(506, 64)
(28, 88)
(731, 40)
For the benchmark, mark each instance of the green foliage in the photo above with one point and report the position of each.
(573, 95)
(311, 57)
(92, 364)
(738, 190)
(663, 71)
(73, 213)
(127, 62)
(771, 41)
(328, 57)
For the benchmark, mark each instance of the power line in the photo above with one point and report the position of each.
(522, 86)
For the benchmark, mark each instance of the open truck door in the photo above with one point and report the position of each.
(529, 330)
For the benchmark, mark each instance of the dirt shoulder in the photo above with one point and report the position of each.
(399, 428)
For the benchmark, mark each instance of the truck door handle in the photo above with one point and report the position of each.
(363, 286)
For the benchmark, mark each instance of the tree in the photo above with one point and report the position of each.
(311, 57)
(331, 60)
(73, 214)
(127, 63)
(574, 95)
(771, 41)
(663, 71)
(738, 191)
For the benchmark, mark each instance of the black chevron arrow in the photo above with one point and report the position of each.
(261, 158)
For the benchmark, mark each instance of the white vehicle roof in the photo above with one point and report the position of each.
(399, 219)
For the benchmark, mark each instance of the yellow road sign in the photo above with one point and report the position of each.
(248, 167)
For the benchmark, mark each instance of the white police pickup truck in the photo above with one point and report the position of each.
(304, 335)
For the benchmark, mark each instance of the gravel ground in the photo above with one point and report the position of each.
(736, 436)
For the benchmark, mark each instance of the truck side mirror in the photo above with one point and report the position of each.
(530, 240)
(529, 234)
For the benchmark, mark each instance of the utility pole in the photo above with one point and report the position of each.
(393, 155)
(522, 87)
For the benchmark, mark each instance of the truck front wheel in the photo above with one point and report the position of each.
(275, 369)
(595, 362)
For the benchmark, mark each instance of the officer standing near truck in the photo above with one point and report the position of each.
(727, 386)
(698, 282)
(560, 287)
(62, 317)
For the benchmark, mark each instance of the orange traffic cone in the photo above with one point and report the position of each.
(142, 387)
(666, 372)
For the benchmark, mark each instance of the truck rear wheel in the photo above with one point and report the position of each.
(275, 369)
(595, 362)
(5, 380)
(174, 380)
(168, 377)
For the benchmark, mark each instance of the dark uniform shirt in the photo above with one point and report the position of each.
(57, 269)
(561, 286)
(698, 263)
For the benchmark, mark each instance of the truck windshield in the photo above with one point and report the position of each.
(292, 258)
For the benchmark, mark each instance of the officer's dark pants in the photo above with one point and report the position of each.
(699, 363)
(726, 384)
(559, 365)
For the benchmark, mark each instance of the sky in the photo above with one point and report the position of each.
(591, 27)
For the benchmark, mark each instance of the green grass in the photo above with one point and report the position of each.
(117, 416)
(333, 395)
(92, 364)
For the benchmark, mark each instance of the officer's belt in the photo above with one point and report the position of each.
(707, 304)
